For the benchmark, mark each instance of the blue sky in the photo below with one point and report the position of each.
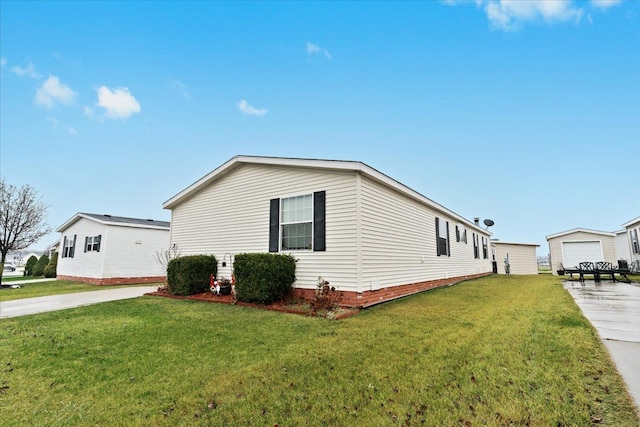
(525, 112)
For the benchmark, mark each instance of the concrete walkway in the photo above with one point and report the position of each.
(23, 307)
(614, 310)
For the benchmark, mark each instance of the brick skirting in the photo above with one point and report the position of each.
(369, 298)
(113, 280)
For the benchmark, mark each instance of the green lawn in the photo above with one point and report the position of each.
(39, 289)
(494, 351)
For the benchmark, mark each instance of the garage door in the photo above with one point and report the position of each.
(577, 252)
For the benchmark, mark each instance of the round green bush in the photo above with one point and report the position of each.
(189, 275)
(263, 278)
(50, 270)
(38, 268)
(28, 267)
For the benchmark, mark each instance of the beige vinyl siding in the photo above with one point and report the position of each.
(555, 247)
(398, 241)
(522, 258)
(231, 215)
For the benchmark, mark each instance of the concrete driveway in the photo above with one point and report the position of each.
(614, 310)
(35, 305)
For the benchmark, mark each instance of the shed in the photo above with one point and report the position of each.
(107, 249)
(522, 257)
(370, 236)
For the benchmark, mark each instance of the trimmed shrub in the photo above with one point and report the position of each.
(189, 275)
(28, 267)
(263, 278)
(51, 270)
(38, 269)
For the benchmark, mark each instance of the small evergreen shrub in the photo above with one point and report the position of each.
(38, 268)
(51, 269)
(263, 278)
(189, 275)
(28, 268)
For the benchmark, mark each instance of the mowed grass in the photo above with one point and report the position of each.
(39, 289)
(493, 351)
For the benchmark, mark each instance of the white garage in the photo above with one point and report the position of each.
(569, 248)
(576, 252)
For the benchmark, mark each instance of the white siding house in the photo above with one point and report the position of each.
(106, 249)
(368, 235)
(633, 234)
(522, 257)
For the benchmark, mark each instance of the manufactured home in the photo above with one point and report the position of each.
(370, 236)
(108, 250)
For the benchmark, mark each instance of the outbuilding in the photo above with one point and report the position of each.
(108, 250)
(370, 236)
(568, 249)
(520, 257)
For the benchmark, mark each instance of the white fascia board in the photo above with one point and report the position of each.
(580, 230)
(500, 242)
(343, 165)
(632, 222)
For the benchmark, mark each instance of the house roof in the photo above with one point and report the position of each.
(581, 230)
(500, 242)
(343, 165)
(117, 221)
(633, 221)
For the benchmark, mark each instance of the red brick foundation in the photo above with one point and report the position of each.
(113, 280)
(369, 298)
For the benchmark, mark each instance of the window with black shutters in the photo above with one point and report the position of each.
(442, 237)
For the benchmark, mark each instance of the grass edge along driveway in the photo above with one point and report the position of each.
(57, 287)
(492, 351)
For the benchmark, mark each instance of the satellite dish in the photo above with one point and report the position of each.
(488, 222)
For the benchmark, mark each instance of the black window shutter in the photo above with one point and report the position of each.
(99, 241)
(64, 247)
(319, 221)
(448, 241)
(274, 225)
(73, 248)
(86, 243)
(438, 236)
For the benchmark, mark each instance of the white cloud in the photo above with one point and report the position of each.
(315, 49)
(52, 93)
(605, 4)
(510, 14)
(248, 109)
(3, 62)
(118, 103)
(28, 71)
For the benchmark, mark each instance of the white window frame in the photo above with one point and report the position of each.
(305, 220)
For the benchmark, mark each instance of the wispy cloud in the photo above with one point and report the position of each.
(605, 4)
(28, 71)
(3, 62)
(511, 15)
(72, 131)
(117, 103)
(251, 111)
(314, 49)
(53, 92)
(181, 88)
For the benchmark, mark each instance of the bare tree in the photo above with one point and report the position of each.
(22, 219)
(162, 257)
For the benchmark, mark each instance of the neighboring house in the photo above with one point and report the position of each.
(107, 250)
(54, 247)
(632, 229)
(370, 236)
(621, 242)
(569, 248)
(522, 257)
